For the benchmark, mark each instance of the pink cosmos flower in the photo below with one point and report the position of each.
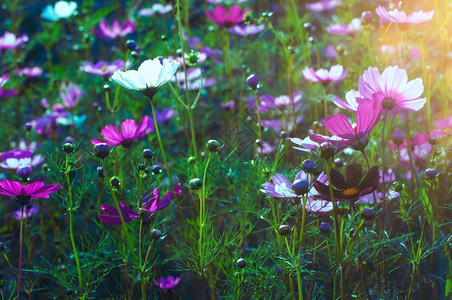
(102, 68)
(367, 115)
(6, 93)
(16, 153)
(28, 212)
(15, 163)
(344, 29)
(167, 283)
(330, 51)
(316, 142)
(130, 132)
(352, 100)
(9, 41)
(71, 94)
(443, 128)
(113, 216)
(246, 30)
(335, 74)
(401, 18)
(323, 5)
(153, 203)
(393, 84)
(24, 194)
(29, 72)
(223, 18)
(116, 30)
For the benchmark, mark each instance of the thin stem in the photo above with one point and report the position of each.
(20, 250)
(325, 107)
(202, 214)
(258, 122)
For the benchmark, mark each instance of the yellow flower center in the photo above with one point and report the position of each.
(104, 68)
(350, 192)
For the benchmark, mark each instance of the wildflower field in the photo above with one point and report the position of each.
(226, 149)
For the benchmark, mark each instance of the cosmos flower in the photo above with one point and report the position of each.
(246, 30)
(61, 10)
(24, 194)
(151, 75)
(280, 187)
(443, 128)
(9, 41)
(102, 68)
(29, 211)
(16, 153)
(335, 74)
(367, 116)
(15, 163)
(344, 29)
(317, 142)
(156, 8)
(29, 72)
(393, 84)
(223, 18)
(6, 93)
(110, 33)
(130, 132)
(322, 5)
(167, 283)
(401, 18)
(352, 100)
(195, 43)
(113, 216)
(71, 94)
(153, 203)
(194, 80)
(352, 187)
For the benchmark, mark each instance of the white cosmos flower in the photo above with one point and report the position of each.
(151, 75)
(61, 10)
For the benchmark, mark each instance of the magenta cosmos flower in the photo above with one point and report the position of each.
(71, 94)
(352, 100)
(345, 29)
(367, 115)
(167, 283)
(398, 93)
(335, 74)
(16, 153)
(9, 41)
(223, 18)
(16, 163)
(401, 18)
(30, 211)
(24, 194)
(443, 128)
(6, 93)
(29, 72)
(246, 30)
(130, 132)
(153, 203)
(113, 215)
(323, 5)
(116, 30)
(102, 68)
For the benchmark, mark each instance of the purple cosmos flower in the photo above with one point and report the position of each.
(367, 116)
(71, 94)
(280, 187)
(393, 84)
(153, 203)
(323, 5)
(401, 18)
(102, 68)
(167, 283)
(113, 216)
(344, 29)
(6, 93)
(246, 30)
(49, 120)
(161, 116)
(330, 51)
(194, 80)
(29, 72)
(24, 194)
(352, 100)
(421, 150)
(335, 74)
(195, 43)
(223, 18)
(443, 128)
(28, 212)
(156, 8)
(16, 153)
(116, 30)
(130, 132)
(15, 163)
(9, 41)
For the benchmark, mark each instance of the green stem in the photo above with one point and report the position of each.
(202, 214)
(258, 123)
(20, 250)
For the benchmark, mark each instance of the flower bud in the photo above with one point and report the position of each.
(252, 81)
(284, 135)
(397, 186)
(131, 44)
(241, 263)
(397, 137)
(301, 187)
(68, 148)
(156, 234)
(308, 27)
(28, 126)
(308, 165)
(431, 173)
(101, 150)
(213, 146)
(100, 171)
(115, 182)
(284, 230)
(352, 232)
(106, 88)
(24, 172)
(326, 150)
(230, 247)
(141, 167)
(134, 55)
(148, 154)
(366, 16)
(156, 170)
(338, 162)
(324, 228)
(195, 184)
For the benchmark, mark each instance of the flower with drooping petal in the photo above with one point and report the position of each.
(401, 18)
(322, 5)
(71, 94)
(335, 74)
(130, 132)
(16, 153)
(352, 100)
(113, 216)
(246, 30)
(153, 203)
(345, 29)
(167, 283)
(61, 10)
(223, 18)
(367, 116)
(352, 187)
(15, 163)
(29, 72)
(24, 194)
(28, 212)
(110, 33)
(393, 84)
(151, 75)
(102, 68)
(6, 93)
(9, 41)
